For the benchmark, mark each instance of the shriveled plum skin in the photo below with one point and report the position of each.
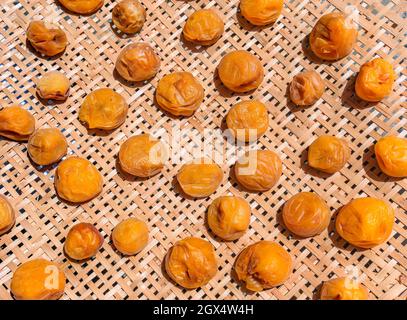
(200, 178)
(142, 156)
(258, 170)
(7, 215)
(241, 71)
(180, 94)
(47, 146)
(46, 38)
(375, 80)
(343, 289)
(83, 241)
(31, 281)
(16, 123)
(103, 109)
(248, 120)
(306, 214)
(229, 217)
(261, 12)
(203, 27)
(328, 154)
(129, 16)
(333, 37)
(391, 156)
(77, 180)
(263, 265)
(306, 88)
(191, 262)
(82, 6)
(138, 62)
(130, 236)
(53, 86)
(365, 222)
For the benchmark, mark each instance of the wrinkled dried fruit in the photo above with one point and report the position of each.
(130, 236)
(261, 13)
(200, 178)
(203, 27)
(365, 222)
(229, 217)
(240, 71)
(333, 37)
(142, 155)
(53, 86)
(179, 93)
(103, 109)
(138, 62)
(328, 154)
(191, 262)
(391, 155)
(83, 241)
(306, 88)
(46, 38)
(16, 123)
(248, 120)
(258, 170)
(343, 289)
(82, 6)
(375, 80)
(7, 215)
(306, 214)
(47, 146)
(263, 265)
(77, 180)
(129, 16)
(38, 279)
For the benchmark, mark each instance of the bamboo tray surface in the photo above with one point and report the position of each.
(43, 220)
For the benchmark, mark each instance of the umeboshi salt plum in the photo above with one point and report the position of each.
(129, 16)
(343, 289)
(16, 123)
(46, 38)
(306, 88)
(7, 215)
(391, 155)
(191, 262)
(261, 13)
(47, 146)
(82, 6)
(130, 236)
(203, 27)
(53, 85)
(83, 241)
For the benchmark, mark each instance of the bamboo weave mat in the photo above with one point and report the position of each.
(43, 220)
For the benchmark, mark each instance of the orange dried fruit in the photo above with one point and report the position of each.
(129, 16)
(203, 27)
(306, 88)
(46, 38)
(7, 215)
(229, 217)
(391, 155)
(365, 222)
(38, 279)
(328, 154)
(47, 146)
(142, 155)
(53, 86)
(191, 262)
(77, 180)
(138, 62)
(179, 93)
(248, 120)
(103, 109)
(261, 13)
(16, 123)
(333, 36)
(263, 265)
(343, 289)
(83, 241)
(130, 236)
(375, 80)
(200, 177)
(306, 214)
(258, 170)
(82, 6)
(241, 71)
